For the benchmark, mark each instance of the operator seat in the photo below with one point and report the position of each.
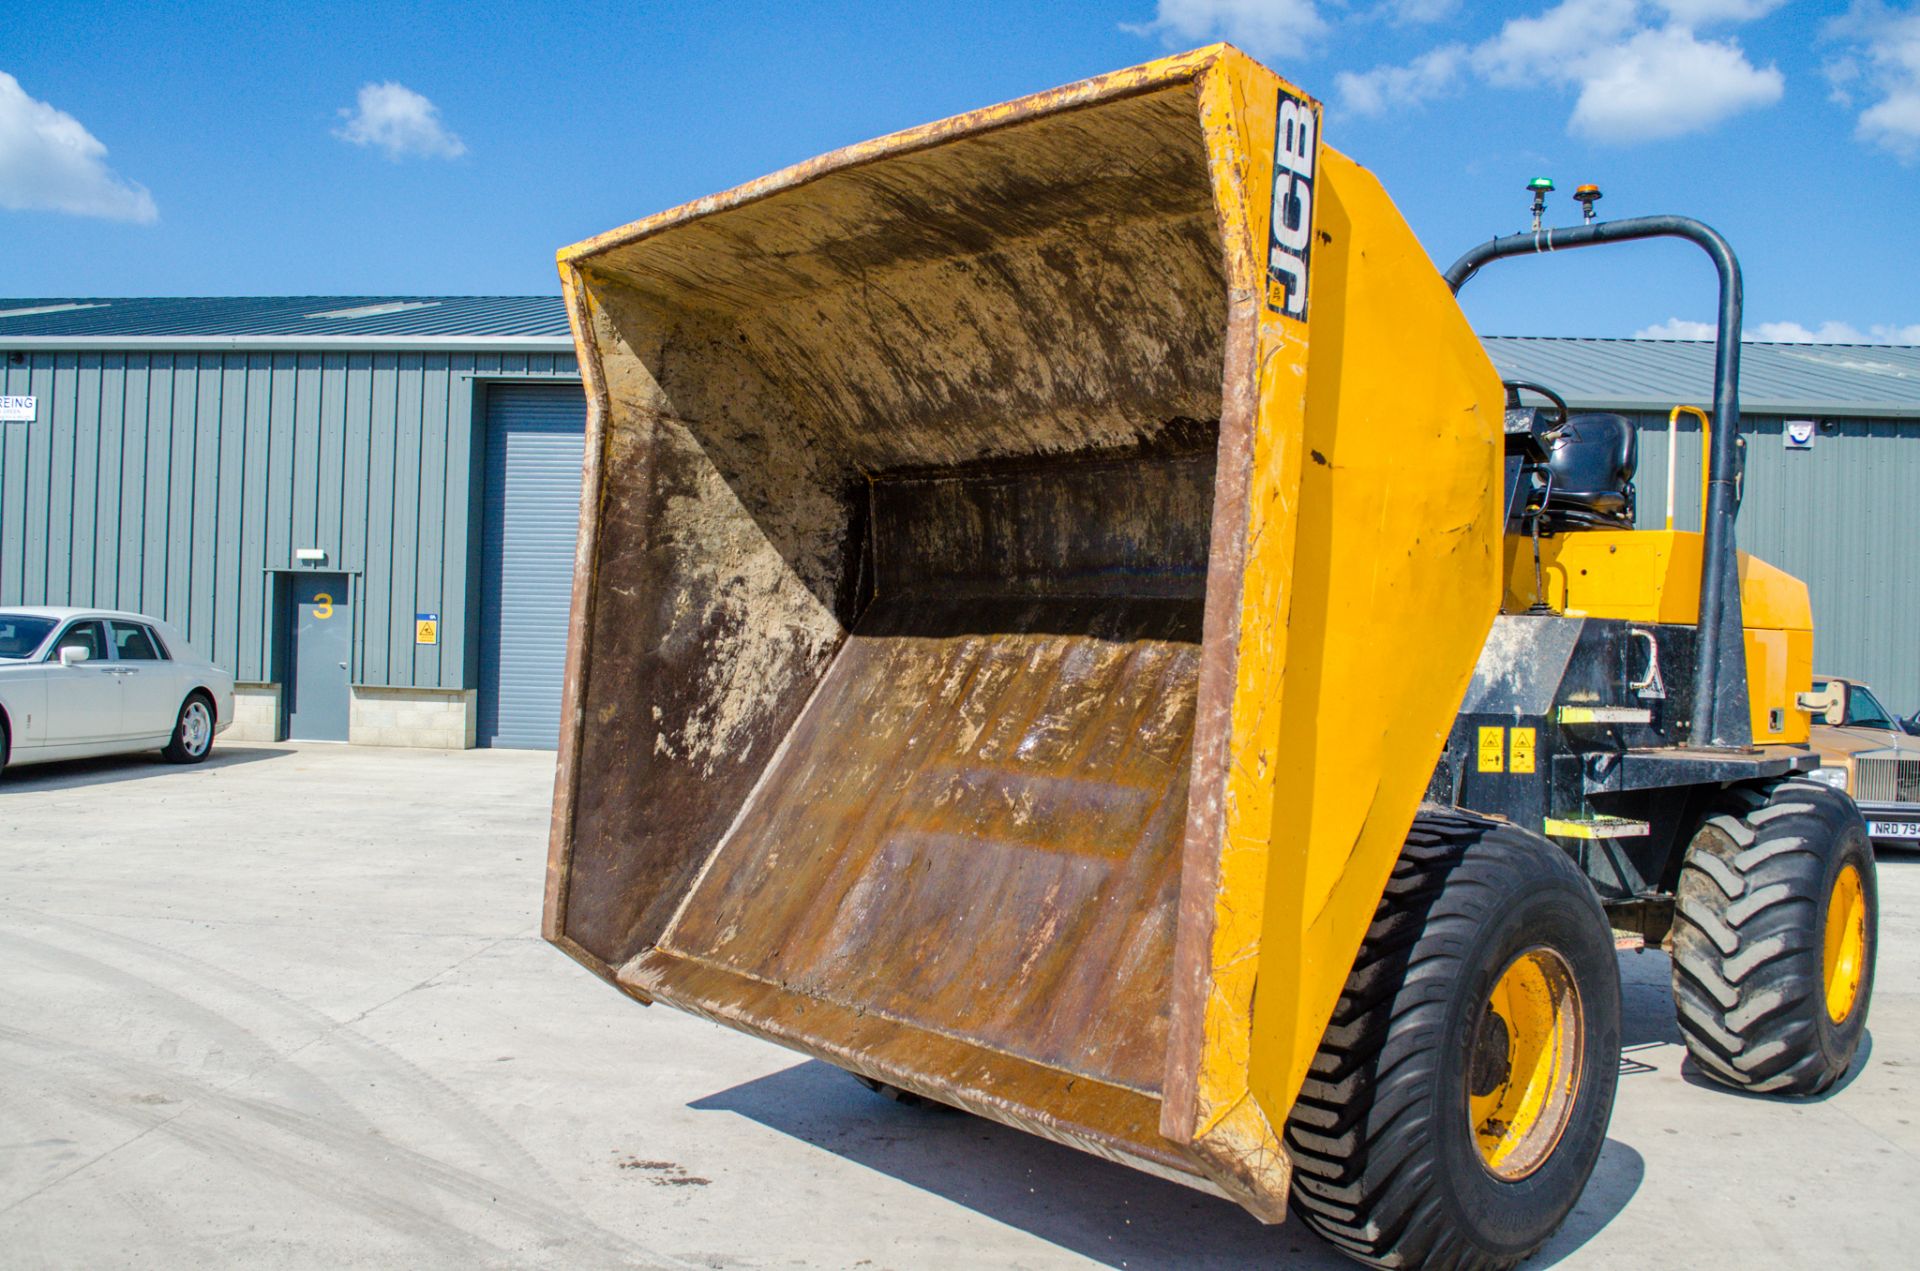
(1592, 462)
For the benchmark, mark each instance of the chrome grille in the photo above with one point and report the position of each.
(1887, 780)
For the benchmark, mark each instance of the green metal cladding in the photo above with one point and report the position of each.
(178, 483)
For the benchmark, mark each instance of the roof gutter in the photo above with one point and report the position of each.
(289, 343)
(1810, 409)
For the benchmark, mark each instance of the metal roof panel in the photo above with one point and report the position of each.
(175, 317)
(1862, 380)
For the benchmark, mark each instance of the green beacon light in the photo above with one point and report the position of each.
(1541, 187)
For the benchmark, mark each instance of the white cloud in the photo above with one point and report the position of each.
(49, 162)
(1413, 12)
(1696, 13)
(1547, 45)
(1676, 329)
(1668, 82)
(1829, 332)
(1383, 88)
(1842, 73)
(1640, 70)
(1794, 333)
(1885, 64)
(400, 122)
(1272, 28)
(1835, 333)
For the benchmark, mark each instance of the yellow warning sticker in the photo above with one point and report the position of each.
(1522, 760)
(1492, 749)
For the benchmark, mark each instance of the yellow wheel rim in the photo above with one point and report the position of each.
(1523, 1065)
(1846, 943)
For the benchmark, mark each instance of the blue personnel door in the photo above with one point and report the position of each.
(322, 628)
(530, 521)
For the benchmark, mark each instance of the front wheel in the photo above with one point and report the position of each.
(1461, 1094)
(192, 732)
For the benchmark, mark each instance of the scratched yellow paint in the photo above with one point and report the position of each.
(1653, 576)
(1396, 579)
(1238, 104)
(1371, 576)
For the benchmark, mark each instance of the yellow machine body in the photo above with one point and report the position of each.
(1000, 549)
(1653, 576)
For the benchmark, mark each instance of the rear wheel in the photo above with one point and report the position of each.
(905, 1098)
(1461, 1094)
(192, 731)
(1776, 922)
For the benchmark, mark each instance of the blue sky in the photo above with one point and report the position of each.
(220, 149)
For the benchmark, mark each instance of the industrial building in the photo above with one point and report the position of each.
(365, 506)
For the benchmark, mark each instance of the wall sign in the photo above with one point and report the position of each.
(426, 628)
(18, 410)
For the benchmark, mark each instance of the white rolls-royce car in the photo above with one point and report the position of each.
(81, 682)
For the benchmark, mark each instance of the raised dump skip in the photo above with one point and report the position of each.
(964, 534)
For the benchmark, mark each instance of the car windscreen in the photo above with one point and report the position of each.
(1865, 711)
(21, 634)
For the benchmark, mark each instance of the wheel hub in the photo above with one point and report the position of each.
(1492, 1056)
(1846, 943)
(196, 729)
(1525, 1068)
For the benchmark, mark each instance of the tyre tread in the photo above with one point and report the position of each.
(1364, 1174)
(1747, 942)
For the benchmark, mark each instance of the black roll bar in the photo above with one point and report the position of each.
(1720, 718)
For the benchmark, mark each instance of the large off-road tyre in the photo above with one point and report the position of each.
(1776, 923)
(905, 1098)
(1461, 1094)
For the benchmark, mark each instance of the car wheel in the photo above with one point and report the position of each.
(192, 732)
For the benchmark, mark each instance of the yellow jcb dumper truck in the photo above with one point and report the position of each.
(1070, 624)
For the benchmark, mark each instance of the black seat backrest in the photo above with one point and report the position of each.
(1592, 463)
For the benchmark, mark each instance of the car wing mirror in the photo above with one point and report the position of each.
(72, 655)
(1830, 704)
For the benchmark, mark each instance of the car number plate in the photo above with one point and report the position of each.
(1893, 829)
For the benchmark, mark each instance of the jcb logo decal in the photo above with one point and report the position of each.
(1296, 154)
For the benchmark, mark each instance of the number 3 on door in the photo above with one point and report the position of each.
(322, 605)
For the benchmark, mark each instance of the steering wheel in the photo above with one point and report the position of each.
(1514, 388)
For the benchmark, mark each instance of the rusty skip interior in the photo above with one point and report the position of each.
(893, 603)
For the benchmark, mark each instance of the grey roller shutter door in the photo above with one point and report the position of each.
(531, 515)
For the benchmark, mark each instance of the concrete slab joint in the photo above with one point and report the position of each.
(436, 719)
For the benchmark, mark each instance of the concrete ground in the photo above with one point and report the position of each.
(290, 1009)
